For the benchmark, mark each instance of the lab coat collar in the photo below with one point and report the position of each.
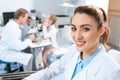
(88, 72)
(71, 66)
(91, 69)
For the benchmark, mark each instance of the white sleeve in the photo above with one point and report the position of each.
(45, 33)
(12, 35)
(55, 68)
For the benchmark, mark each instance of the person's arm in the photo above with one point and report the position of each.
(54, 69)
(13, 37)
(45, 33)
(53, 31)
(45, 24)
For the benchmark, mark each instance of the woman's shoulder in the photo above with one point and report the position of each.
(110, 63)
(112, 68)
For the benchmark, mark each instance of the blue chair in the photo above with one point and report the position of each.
(11, 67)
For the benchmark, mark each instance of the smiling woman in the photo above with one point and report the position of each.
(87, 58)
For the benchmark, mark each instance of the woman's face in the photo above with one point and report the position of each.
(85, 32)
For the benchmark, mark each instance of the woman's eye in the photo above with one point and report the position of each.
(85, 29)
(73, 28)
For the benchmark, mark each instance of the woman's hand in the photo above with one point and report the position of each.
(32, 37)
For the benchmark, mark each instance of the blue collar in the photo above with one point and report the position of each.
(81, 64)
(86, 61)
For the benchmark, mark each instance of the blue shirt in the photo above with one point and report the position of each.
(81, 64)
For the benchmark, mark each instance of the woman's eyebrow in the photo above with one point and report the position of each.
(72, 25)
(82, 25)
(85, 25)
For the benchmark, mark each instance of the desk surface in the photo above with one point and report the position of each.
(40, 44)
(15, 76)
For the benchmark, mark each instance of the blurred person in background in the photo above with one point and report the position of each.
(11, 44)
(49, 31)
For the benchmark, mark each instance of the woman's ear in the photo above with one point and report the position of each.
(102, 30)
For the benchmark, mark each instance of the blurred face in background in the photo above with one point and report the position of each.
(23, 19)
(21, 16)
(28, 21)
(45, 22)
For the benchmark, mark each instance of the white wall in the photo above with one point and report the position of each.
(48, 6)
(100, 3)
(13, 5)
(45, 6)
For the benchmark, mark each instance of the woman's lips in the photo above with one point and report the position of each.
(80, 43)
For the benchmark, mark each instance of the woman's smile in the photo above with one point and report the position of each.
(80, 43)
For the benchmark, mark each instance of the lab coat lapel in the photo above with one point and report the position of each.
(71, 66)
(81, 75)
(91, 70)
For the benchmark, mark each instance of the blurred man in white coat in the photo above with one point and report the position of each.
(11, 43)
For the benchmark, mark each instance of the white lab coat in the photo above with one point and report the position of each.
(100, 68)
(25, 29)
(11, 44)
(51, 33)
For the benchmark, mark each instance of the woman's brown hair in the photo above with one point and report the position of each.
(53, 19)
(100, 17)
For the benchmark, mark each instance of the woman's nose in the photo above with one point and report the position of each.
(78, 35)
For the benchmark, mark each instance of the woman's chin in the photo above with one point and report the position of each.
(79, 48)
